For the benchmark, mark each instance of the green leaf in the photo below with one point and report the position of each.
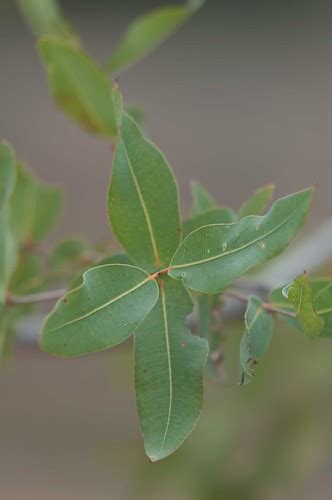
(321, 291)
(118, 258)
(27, 276)
(68, 253)
(169, 362)
(256, 339)
(112, 301)
(147, 32)
(211, 257)
(143, 200)
(207, 329)
(35, 208)
(220, 215)
(202, 200)
(7, 244)
(300, 296)
(4, 334)
(79, 86)
(137, 114)
(45, 18)
(258, 202)
(7, 174)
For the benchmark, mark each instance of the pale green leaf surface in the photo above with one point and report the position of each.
(211, 257)
(202, 199)
(301, 297)
(321, 289)
(79, 86)
(256, 339)
(143, 200)
(102, 312)
(35, 207)
(258, 202)
(220, 215)
(169, 363)
(147, 32)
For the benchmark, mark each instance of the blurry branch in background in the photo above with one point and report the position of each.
(311, 253)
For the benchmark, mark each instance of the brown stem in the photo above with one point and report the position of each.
(267, 305)
(35, 298)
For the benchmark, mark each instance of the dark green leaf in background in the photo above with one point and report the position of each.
(7, 174)
(220, 215)
(79, 86)
(256, 339)
(68, 253)
(35, 208)
(100, 313)
(45, 18)
(147, 32)
(7, 243)
(258, 202)
(137, 114)
(202, 200)
(169, 363)
(143, 200)
(213, 256)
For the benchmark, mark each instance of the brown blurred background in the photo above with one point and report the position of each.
(239, 97)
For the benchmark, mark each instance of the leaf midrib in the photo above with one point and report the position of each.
(169, 365)
(144, 208)
(99, 308)
(224, 254)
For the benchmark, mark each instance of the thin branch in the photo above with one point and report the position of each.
(267, 305)
(35, 298)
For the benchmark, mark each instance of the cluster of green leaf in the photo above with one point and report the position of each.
(28, 210)
(168, 267)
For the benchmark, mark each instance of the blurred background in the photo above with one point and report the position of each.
(239, 97)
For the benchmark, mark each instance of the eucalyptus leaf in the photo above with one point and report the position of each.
(147, 32)
(28, 276)
(143, 200)
(220, 215)
(102, 312)
(45, 18)
(137, 114)
(202, 199)
(258, 202)
(118, 258)
(35, 207)
(79, 86)
(7, 243)
(211, 257)
(256, 339)
(4, 334)
(68, 253)
(169, 363)
(301, 297)
(321, 290)
(7, 174)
